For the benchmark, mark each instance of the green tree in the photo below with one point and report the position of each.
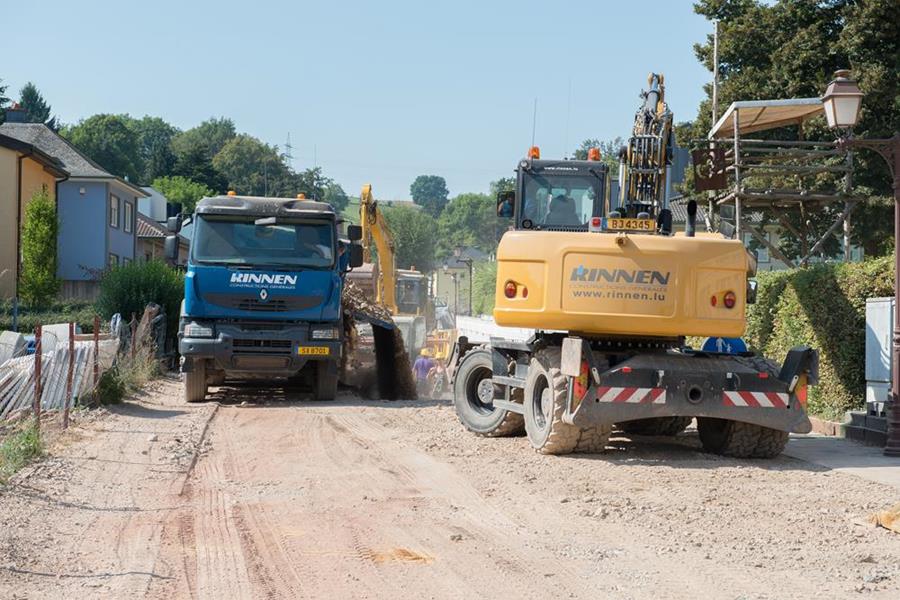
(312, 183)
(4, 101)
(609, 152)
(155, 145)
(484, 285)
(194, 165)
(210, 135)
(34, 105)
(183, 191)
(336, 197)
(38, 285)
(414, 237)
(252, 167)
(110, 141)
(468, 220)
(504, 184)
(430, 192)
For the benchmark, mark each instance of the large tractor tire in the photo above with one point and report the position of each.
(474, 394)
(326, 383)
(668, 426)
(195, 382)
(741, 440)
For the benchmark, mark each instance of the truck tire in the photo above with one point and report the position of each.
(195, 382)
(668, 426)
(741, 440)
(326, 381)
(473, 395)
(593, 440)
(545, 403)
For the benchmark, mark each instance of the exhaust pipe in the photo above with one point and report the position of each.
(690, 228)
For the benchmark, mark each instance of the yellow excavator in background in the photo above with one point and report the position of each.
(610, 291)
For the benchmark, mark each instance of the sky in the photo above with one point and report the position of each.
(372, 92)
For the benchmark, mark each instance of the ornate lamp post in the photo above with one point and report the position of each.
(842, 100)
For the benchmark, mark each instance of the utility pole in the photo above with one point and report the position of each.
(715, 86)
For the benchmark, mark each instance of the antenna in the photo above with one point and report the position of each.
(289, 151)
(568, 118)
(315, 158)
(533, 122)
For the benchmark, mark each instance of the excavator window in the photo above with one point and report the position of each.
(553, 201)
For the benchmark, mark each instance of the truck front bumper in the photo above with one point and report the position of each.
(249, 349)
(717, 386)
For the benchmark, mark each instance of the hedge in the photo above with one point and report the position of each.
(80, 312)
(128, 289)
(823, 306)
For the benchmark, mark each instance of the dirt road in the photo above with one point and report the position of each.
(267, 497)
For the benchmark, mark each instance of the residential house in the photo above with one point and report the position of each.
(24, 170)
(97, 210)
(451, 282)
(151, 238)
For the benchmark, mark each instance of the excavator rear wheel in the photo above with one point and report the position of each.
(545, 403)
(473, 396)
(741, 440)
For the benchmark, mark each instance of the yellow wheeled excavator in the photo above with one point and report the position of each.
(611, 292)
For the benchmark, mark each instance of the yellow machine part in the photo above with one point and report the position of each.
(619, 284)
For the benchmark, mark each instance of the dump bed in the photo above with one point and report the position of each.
(622, 284)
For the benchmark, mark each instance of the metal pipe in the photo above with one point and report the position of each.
(69, 376)
(37, 375)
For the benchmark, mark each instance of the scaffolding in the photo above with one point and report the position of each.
(781, 178)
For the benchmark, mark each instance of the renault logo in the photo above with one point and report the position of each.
(263, 294)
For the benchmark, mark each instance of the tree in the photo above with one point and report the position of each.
(35, 107)
(109, 141)
(313, 183)
(484, 286)
(609, 152)
(252, 167)
(210, 136)
(4, 101)
(504, 184)
(195, 165)
(414, 237)
(155, 145)
(468, 220)
(790, 49)
(38, 285)
(183, 191)
(430, 192)
(336, 197)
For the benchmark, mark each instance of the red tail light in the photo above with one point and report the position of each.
(524, 292)
(730, 299)
(509, 289)
(713, 300)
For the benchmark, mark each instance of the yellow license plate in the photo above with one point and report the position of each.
(314, 350)
(631, 224)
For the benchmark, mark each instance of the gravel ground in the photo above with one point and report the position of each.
(260, 495)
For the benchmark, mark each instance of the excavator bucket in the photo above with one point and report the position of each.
(378, 362)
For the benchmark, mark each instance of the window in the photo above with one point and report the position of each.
(289, 242)
(113, 211)
(553, 201)
(129, 217)
(113, 260)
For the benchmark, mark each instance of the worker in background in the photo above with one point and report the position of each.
(421, 368)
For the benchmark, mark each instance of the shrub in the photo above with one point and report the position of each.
(38, 285)
(128, 289)
(18, 449)
(79, 312)
(483, 288)
(824, 307)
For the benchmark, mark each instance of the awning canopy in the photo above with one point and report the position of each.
(759, 115)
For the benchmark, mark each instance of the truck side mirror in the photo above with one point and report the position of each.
(505, 201)
(171, 248)
(173, 224)
(356, 256)
(354, 233)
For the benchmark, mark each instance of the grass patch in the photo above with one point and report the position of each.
(18, 449)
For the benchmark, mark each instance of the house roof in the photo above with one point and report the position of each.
(50, 164)
(52, 144)
(148, 228)
(759, 115)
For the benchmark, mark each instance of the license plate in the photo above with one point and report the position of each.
(630, 224)
(314, 350)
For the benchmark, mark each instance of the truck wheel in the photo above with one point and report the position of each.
(545, 403)
(656, 426)
(473, 397)
(195, 382)
(771, 443)
(326, 381)
(593, 440)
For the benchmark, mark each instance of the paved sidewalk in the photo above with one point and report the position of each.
(847, 456)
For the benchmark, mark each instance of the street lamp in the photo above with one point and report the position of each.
(842, 100)
(457, 252)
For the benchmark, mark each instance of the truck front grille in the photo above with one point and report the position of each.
(268, 346)
(271, 304)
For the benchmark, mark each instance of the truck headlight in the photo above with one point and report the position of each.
(324, 333)
(196, 330)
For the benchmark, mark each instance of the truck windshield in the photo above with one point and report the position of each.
(554, 201)
(238, 241)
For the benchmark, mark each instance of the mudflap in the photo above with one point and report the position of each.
(676, 384)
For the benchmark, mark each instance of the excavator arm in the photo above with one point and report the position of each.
(375, 230)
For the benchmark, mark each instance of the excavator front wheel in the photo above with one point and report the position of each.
(473, 396)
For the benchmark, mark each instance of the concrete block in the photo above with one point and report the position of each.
(11, 344)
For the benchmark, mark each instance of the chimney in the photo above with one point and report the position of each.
(16, 114)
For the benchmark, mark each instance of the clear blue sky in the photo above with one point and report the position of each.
(383, 91)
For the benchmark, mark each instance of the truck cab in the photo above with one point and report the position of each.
(262, 294)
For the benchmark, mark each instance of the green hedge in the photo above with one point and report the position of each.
(128, 289)
(823, 306)
(80, 312)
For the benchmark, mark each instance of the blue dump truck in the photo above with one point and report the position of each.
(262, 292)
